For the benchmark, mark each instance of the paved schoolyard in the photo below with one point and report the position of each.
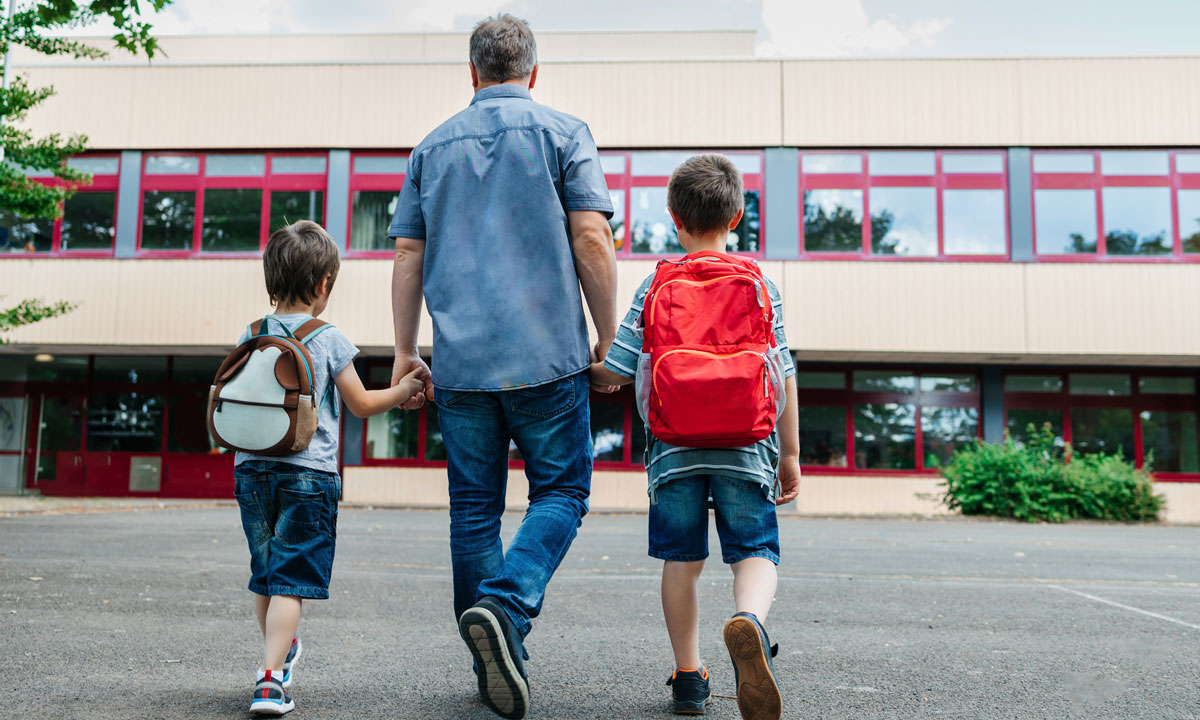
(143, 615)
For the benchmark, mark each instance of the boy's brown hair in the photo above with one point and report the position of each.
(705, 193)
(298, 257)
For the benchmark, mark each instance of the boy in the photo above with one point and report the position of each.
(705, 200)
(289, 503)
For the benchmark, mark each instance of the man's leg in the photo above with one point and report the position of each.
(476, 440)
(552, 428)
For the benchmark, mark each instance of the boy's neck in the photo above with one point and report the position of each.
(295, 309)
(709, 242)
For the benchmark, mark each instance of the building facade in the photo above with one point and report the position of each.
(964, 247)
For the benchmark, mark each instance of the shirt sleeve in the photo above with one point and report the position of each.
(408, 221)
(583, 177)
(341, 352)
(780, 333)
(623, 356)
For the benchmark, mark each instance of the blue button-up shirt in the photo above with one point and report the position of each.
(488, 191)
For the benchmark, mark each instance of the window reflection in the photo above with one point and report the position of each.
(608, 432)
(901, 163)
(948, 383)
(232, 220)
(1137, 220)
(885, 436)
(88, 222)
(1189, 220)
(435, 447)
(653, 230)
(884, 381)
(833, 220)
(393, 435)
(903, 221)
(1019, 422)
(1169, 441)
(823, 436)
(125, 422)
(19, 235)
(744, 237)
(974, 222)
(1106, 430)
(945, 430)
(290, 206)
(1100, 384)
(168, 219)
(1033, 383)
(372, 215)
(617, 222)
(1065, 221)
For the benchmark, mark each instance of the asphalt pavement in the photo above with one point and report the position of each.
(144, 614)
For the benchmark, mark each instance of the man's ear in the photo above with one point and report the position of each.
(533, 77)
(736, 219)
(474, 76)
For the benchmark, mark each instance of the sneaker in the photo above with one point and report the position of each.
(290, 661)
(492, 639)
(754, 670)
(690, 691)
(270, 698)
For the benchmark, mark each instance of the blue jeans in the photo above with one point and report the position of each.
(551, 426)
(746, 520)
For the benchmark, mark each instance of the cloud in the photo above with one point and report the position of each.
(833, 28)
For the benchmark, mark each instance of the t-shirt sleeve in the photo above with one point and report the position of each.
(408, 221)
(583, 177)
(623, 356)
(780, 333)
(339, 353)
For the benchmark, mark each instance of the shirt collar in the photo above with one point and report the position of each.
(502, 90)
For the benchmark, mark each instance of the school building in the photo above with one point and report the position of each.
(964, 247)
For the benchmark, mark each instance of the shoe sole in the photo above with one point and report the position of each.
(292, 668)
(500, 685)
(757, 694)
(271, 707)
(696, 708)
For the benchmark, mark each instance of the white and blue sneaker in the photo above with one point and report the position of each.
(270, 698)
(290, 661)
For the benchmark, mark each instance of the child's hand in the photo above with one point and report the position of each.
(414, 384)
(788, 478)
(596, 374)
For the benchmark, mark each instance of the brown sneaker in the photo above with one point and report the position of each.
(751, 652)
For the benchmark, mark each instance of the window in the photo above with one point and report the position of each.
(888, 420)
(1116, 204)
(88, 224)
(896, 204)
(226, 203)
(375, 184)
(641, 226)
(1150, 417)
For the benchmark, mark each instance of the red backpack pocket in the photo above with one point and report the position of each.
(706, 399)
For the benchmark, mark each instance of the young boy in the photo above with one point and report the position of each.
(705, 201)
(289, 503)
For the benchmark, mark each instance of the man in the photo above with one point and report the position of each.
(502, 218)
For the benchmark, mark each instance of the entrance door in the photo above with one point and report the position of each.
(12, 444)
(55, 464)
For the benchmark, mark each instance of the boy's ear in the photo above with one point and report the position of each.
(736, 219)
(323, 287)
(678, 225)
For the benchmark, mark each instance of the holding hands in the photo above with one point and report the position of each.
(412, 370)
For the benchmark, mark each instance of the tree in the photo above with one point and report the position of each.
(28, 312)
(33, 26)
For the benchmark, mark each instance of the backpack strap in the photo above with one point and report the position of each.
(310, 329)
(259, 328)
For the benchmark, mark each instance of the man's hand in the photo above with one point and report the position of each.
(788, 479)
(598, 354)
(406, 364)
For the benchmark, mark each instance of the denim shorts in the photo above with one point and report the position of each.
(289, 514)
(746, 521)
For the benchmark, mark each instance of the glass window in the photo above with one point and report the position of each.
(435, 448)
(843, 163)
(1063, 163)
(1187, 162)
(1133, 162)
(821, 380)
(298, 165)
(235, 165)
(1019, 422)
(885, 436)
(61, 431)
(904, 221)
(948, 383)
(612, 164)
(901, 163)
(972, 163)
(1065, 221)
(1189, 220)
(1099, 384)
(129, 369)
(637, 444)
(822, 436)
(608, 432)
(1169, 441)
(884, 381)
(381, 164)
(1137, 220)
(188, 422)
(653, 230)
(195, 369)
(1104, 430)
(371, 217)
(12, 423)
(616, 223)
(95, 165)
(1167, 385)
(1033, 383)
(18, 235)
(88, 221)
(393, 435)
(945, 430)
(59, 368)
(661, 164)
(744, 237)
(168, 219)
(833, 220)
(125, 422)
(172, 165)
(975, 222)
(232, 220)
(289, 206)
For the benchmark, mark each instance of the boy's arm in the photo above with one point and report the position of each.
(365, 403)
(789, 447)
(602, 376)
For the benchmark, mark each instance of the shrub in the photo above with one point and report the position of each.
(1041, 481)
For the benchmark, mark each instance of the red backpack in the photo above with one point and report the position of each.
(709, 374)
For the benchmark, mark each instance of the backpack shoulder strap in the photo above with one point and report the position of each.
(310, 329)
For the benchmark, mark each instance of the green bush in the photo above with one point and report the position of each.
(1042, 481)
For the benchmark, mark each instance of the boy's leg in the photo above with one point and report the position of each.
(261, 603)
(681, 610)
(754, 583)
(283, 617)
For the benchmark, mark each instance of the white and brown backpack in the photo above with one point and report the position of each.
(262, 400)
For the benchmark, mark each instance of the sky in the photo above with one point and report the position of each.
(788, 28)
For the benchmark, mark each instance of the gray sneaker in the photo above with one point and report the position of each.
(754, 670)
(496, 646)
(290, 661)
(270, 698)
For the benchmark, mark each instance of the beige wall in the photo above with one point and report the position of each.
(643, 103)
(838, 311)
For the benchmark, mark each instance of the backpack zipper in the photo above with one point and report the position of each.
(718, 356)
(700, 283)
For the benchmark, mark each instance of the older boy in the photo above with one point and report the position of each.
(705, 200)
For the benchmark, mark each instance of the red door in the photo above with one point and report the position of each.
(54, 463)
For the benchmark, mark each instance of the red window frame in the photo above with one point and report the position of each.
(377, 182)
(1096, 181)
(847, 398)
(625, 183)
(199, 181)
(107, 182)
(1136, 402)
(940, 180)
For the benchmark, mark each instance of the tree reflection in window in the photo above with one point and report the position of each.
(654, 232)
(885, 436)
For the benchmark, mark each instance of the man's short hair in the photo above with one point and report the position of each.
(503, 48)
(705, 193)
(298, 257)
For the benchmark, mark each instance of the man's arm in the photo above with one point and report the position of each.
(406, 315)
(596, 266)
